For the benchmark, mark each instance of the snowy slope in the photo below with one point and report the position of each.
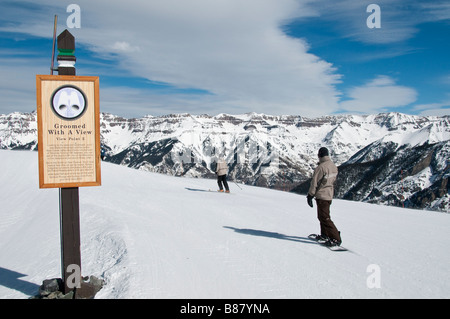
(156, 236)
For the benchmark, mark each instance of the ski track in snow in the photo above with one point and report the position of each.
(154, 236)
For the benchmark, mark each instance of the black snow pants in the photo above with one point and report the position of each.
(222, 179)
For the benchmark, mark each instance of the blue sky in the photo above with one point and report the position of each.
(299, 57)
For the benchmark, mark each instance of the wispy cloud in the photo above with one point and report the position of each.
(377, 95)
(399, 18)
(233, 49)
(440, 108)
(436, 10)
(217, 56)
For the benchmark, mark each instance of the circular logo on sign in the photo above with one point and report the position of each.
(68, 102)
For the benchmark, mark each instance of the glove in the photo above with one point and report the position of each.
(309, 199)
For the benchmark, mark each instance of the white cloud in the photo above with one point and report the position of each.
(378, 94)
(399, 19)
(436, 109)
(233, 49)
(437, 10)
(123, 46)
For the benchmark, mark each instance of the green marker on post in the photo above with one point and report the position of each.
(66, 50)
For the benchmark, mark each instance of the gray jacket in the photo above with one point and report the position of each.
(222, 167)
(322, 183)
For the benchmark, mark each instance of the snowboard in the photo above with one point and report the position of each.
(333, 248)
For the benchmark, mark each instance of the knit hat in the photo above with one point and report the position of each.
(323, 151)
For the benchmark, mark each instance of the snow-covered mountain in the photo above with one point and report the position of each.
(151, 235)
(388, 158)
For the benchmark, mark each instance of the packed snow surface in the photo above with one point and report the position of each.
(155, 236)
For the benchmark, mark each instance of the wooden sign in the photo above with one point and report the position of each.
(68, 111)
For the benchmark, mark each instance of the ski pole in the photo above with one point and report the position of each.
(236, 184)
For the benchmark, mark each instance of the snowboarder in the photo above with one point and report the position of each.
(322, 188)
(221, 172)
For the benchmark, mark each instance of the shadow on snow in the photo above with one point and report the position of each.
(10, 279)
(263, 233)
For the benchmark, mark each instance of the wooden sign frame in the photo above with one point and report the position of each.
(68, 113)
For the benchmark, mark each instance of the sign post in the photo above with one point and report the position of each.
(68, 112)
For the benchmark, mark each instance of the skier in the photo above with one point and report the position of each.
(322, 188)
(221, 172)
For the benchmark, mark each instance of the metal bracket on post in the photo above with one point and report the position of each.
(53, 46)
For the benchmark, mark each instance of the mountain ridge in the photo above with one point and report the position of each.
(280, 151)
